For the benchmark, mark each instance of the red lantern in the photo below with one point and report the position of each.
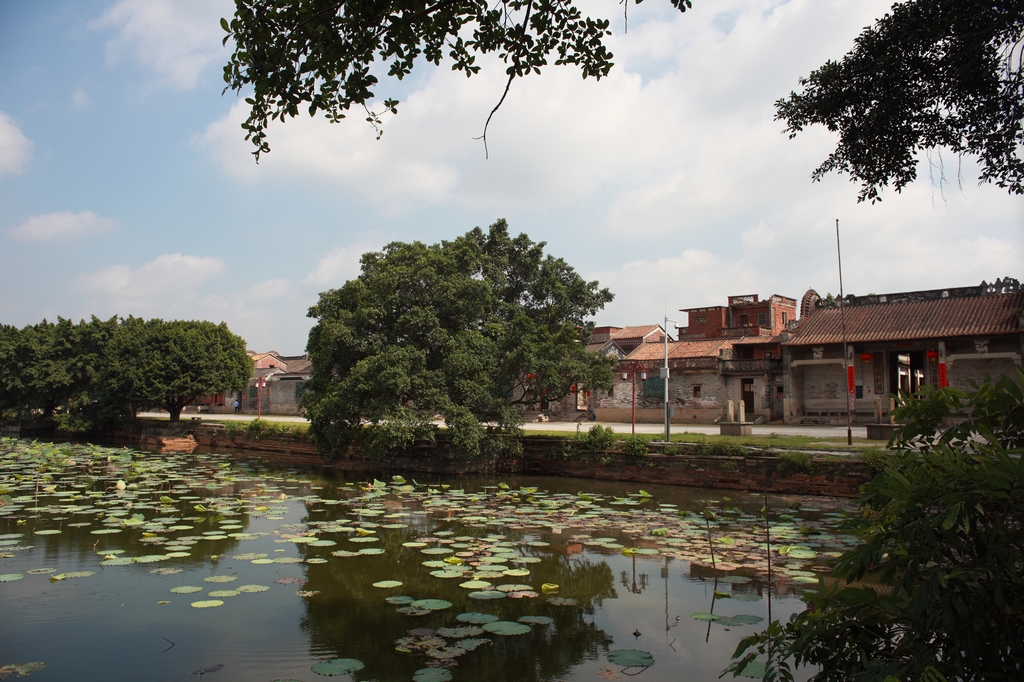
(588, 394)
(933, 355)
(643, 376)
(573, 389)
(866, 357)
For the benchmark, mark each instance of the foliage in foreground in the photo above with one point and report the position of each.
(470, 330)
(930, 74)
(943, 526)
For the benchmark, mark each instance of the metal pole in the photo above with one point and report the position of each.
(846, 352)
(668, 432)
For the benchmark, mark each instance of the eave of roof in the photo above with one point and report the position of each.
(912, 320)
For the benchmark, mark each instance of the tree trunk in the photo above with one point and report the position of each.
(174, 407)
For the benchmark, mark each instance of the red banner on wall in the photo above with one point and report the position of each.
(850, 384)
(943, 382)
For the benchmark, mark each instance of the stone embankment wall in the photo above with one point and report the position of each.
(837, 476)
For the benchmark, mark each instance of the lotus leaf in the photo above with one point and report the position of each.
(506, 627)
(252, 589)
(186, 589)
(221, 594)
(514, 588)
(754, 669)
(705, 616)
(516, 572)
(399, 600)
(431, 604)
(746, 597)
(207, 604)
(536, 620)
(220, 579)
(11, 577)
(487, 594)
(50, 531)
(475, 618)
(447, 574)
(412, 610)
(548, 587)
(431, 675)
(475, 584)
(41, 571)
(337, 666)
(460, 632)
(385, 584)
(371, 550)
(630, 658)
(562, 601)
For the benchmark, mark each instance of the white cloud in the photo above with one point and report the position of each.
(175, 39)
(15, 148)
(60, 226)
(168, 283)
(79, 97)
(336, 268)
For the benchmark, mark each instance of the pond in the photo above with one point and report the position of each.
(122, 565)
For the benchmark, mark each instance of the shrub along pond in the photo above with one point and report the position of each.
(127, 565)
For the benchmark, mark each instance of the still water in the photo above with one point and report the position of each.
(122, 565)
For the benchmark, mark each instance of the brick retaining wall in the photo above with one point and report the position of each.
(836, 476)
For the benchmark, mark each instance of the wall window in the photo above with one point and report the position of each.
(743, 321)
(762, 319)
(701, 319)
(767, 355)
(785, 318)
(696, 390)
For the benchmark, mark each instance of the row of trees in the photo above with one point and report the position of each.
(103, 372)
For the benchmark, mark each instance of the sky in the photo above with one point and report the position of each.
(126, 185)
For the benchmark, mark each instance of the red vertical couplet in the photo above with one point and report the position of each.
(850, 387)
(943, 381)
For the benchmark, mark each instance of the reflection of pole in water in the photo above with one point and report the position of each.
(630, 581)
(714, 593)
(664, 574)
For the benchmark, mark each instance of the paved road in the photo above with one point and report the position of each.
(831, 432)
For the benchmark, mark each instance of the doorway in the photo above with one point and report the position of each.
(747, 387)
(906, 371)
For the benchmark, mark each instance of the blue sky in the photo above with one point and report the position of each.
(126, 186)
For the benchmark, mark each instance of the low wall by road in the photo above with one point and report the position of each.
(837, 476)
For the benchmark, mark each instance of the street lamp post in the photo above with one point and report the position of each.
(664, 375)
(261, 383)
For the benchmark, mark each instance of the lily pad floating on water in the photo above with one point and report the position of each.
(631, 658)
(207, 604)
(431, 675)
(220, 579)
(754, 669)
(251, 589)
(431, 604)
(742, 619)
(21, 669)
(399, 600)
(475, 584)
(746, 597)
(387, 584)
(338, 666)
(536, 620)
(186, 589)
(476, 618)
(460, 632)
(49, 531)
(705, 616)
(11, 577)
(506, 627)
(487, 594)
(221, 594)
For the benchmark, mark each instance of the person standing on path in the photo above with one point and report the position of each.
(236, 406)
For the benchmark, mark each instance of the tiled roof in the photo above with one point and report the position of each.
(929, 319)
(702, 348)
(651, 351)
(758, 340)
(636, 332)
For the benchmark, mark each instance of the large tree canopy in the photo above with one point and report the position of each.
(469, 330)
(326, 55)
(931, 74)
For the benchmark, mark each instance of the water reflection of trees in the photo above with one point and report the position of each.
(349, 618)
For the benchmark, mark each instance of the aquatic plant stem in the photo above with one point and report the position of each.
(768, 547)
